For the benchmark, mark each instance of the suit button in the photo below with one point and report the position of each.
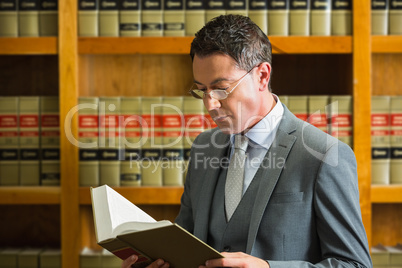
(226, 249)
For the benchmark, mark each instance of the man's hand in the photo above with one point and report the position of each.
(238, 260)
(156, 264)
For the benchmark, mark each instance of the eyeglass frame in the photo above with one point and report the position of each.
(191, 91)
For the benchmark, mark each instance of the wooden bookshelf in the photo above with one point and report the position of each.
(386, 194)
(29, 46)
(386, 44)
(181, 45)
(24, 195)
(141, 195)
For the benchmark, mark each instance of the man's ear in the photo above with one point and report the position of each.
(264, 75)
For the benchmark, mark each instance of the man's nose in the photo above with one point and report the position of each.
(211, 103)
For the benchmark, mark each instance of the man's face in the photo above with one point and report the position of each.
(239, 110)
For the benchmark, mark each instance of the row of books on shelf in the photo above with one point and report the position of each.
(186, 17)
(29, 141)
(386, 17)
(387, 256)
(30, 258)
(28, 18)
(386, 140)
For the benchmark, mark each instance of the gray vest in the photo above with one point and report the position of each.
(232, 235)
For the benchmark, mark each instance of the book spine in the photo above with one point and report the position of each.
(109, 143)
(258, 12)
(29, 140)
(152, 18)
(194, 16)
(284, 100)
(9, 147)
(173, 18)
(395, 17)
(88, 15)
(152, 135)
(341, 17)
(379, 17)
(237, 7)
(48, 18)
(8, 18)
(320, 17)
(396, 140)
(28, 18)
(278, 17)
(108, 18)
(380, 140)
(50, 141)
(173, 130)
(130, 18)
(298, 106)
(299, 17)
(341, 118)
(318, 112)
(214, 8)
(130, 167)
(88, 136)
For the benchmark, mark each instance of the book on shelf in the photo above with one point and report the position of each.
(50, 141)
(29, 258)
(29, 140)
(152, 144)
(380, 256)
(109, 260)
(109, 141)
(320, 17)
(108, 18)
(130, 18)
(395, 255)
(284, 100)
(299, 18)
(90, 258)
(341, 109)
(237, 7)
(88, 16)
(48, 17)
(152, 18)
(124, 229)
(298, 106)
(173, 18)
(194, 16)
(50, 258)
(88, 137)
(341, 17)
(9, 141)
(9, 257)
(395, 17)
(28, 18)
(173, 130)
(258, 13)
(379, 17)
(278, 17)
(380, 140)
(8, 18)
(214, 8)
(318, 112)
(130, 166)
(396, 140)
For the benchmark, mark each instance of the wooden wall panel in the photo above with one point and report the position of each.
(386, 75)
(387, 224)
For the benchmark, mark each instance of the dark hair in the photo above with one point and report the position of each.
(236, 36)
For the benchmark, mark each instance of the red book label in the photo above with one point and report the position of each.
(342, 120)
(8, 121)
(109, 121)
(152, 121)
(50, 120)
(88, 121)
(9, 134)
(194, 120)
(380, 120)
(302, 116)
(172, 121)
(29, 120)
(396, 120)
(131, 121)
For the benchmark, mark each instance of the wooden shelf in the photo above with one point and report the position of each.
(386, 44)
(386, 194)
(181, 45)
(35, 195)
(29, 46)
(142, 195)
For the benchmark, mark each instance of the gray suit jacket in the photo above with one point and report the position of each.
(307, 211)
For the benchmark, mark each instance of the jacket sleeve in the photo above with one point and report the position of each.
(340, 229)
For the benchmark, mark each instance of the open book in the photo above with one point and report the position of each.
(124, 229)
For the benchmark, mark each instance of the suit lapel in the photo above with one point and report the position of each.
(210, 177)
(269, 176)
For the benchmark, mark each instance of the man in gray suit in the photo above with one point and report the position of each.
(299, 199)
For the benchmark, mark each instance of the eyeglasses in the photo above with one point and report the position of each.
(217, 94)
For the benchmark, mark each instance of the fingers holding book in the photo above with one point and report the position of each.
(128, 263)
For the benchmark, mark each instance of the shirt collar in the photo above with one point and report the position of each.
(261, 132)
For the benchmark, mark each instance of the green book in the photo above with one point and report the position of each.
(29, 258)
(278, 17)
(258, 13)
(214, 8)
(28, 18)
(50, 258)
(237, 7)
(130, 18)
(341, 17)
(341, 114)
(173, 18)
(9, 141)
(9, 258)
(88, 16)
(48, 18)
(380, 256)
(8, 18)
(108, 18)
(318, 112)
(395, 17)
(90, 258)
(152, 17)
(29, 141)
(195, 16)
(379, 17)
(396, 140)
(320, 17)
(298, 105)
(299, 18)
